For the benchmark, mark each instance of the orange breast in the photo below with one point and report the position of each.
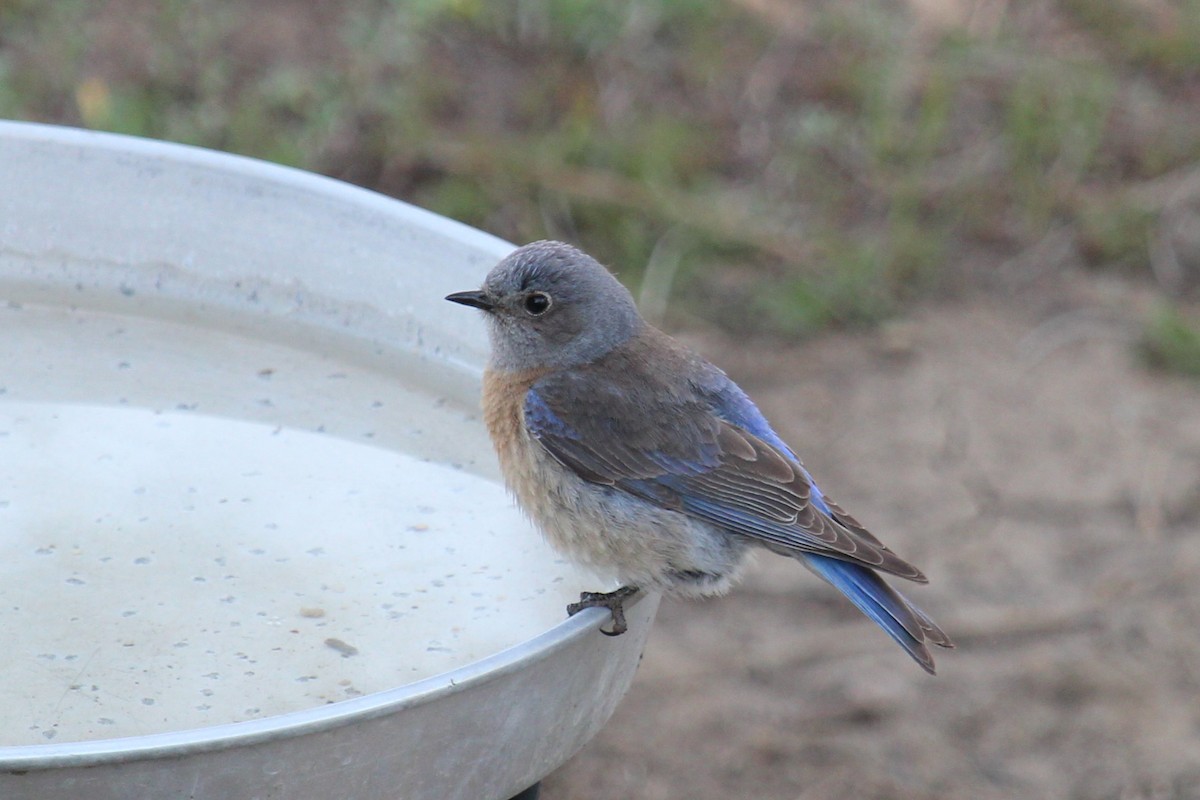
(503, 413)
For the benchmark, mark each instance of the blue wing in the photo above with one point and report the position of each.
(707, 452)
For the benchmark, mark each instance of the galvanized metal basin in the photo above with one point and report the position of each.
(252, 541)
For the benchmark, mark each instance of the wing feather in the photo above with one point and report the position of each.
(680, 453)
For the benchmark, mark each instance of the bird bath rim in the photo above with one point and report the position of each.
(313, 720)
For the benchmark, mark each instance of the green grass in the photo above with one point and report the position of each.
(811, 165)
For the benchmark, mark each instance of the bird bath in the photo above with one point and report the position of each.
(252, 540)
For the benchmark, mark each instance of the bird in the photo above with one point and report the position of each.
(635, 456)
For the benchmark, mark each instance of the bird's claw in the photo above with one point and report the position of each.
(614, 601)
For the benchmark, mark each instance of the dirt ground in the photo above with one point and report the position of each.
(1048, 485)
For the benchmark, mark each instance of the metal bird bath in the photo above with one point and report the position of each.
(251, 539)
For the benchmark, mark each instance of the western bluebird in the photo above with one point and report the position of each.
(634, 455)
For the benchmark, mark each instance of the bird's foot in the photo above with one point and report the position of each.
(614, 601)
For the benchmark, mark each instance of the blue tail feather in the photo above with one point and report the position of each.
(905, 623)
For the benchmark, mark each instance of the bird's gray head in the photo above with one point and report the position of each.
(550, 305)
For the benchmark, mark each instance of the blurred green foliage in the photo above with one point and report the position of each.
(810, 163)
(1171, 342)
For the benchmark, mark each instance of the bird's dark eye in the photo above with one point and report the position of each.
(537, 303)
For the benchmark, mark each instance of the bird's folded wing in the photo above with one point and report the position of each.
(683, 456)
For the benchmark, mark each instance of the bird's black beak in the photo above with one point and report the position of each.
(475, 299)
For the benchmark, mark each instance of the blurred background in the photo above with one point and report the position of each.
(953, 248)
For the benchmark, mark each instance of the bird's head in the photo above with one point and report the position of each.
(550, 305)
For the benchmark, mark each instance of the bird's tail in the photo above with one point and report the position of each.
(908, 625)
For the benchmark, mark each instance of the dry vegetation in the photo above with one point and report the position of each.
(823, 163)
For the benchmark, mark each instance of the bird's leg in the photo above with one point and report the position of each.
(614, 601)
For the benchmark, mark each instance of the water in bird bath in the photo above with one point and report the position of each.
(202, 527)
